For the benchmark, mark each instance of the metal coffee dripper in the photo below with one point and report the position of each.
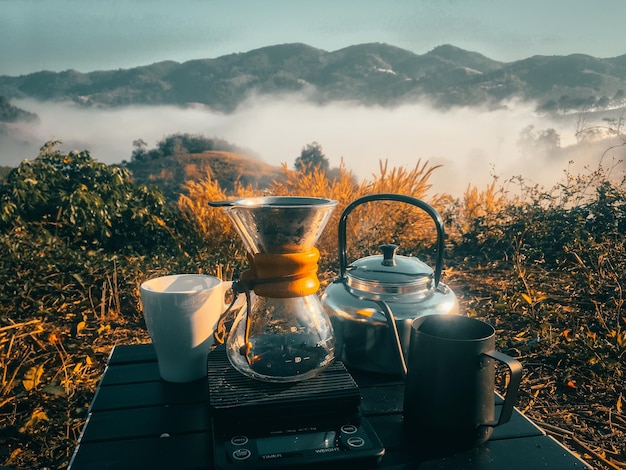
(283, 334)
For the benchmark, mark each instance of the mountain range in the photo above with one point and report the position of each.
(369, 74)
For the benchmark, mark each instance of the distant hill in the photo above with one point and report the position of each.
(171, 172)
(371, 74)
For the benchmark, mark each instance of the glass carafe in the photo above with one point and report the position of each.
(284, 334)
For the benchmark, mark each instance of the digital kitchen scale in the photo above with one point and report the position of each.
(270, 425)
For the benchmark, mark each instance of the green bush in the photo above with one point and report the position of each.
(79, 235)
(87, 204)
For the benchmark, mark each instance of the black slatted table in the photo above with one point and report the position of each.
(137, 421)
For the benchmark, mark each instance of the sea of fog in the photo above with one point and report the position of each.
(473, 145)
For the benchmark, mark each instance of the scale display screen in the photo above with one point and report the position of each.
(296, 442)
(351, 442)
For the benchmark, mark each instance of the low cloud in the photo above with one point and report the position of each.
(471, 144)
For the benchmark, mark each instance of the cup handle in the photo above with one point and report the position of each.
(228, 309)
(515, 370)
(239, 297)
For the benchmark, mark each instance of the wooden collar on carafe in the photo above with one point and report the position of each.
(283, 275)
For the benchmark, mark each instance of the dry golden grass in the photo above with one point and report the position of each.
(476, 208)
(368, 227)
(480, 203)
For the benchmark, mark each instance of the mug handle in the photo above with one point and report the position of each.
(238, 299)
(515, 370)
(228, 310)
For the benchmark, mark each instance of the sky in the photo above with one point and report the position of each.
(109, 34)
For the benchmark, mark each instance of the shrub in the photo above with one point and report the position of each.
(86, 204)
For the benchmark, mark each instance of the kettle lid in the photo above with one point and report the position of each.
(379, 276)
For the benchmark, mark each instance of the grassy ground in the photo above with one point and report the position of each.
(578, 402)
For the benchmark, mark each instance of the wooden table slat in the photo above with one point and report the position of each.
(143, 394)
(147, 422)
(185, 452)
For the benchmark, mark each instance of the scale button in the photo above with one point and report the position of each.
(241, 454)
(355, 441)
(239, 440)
(349, 428)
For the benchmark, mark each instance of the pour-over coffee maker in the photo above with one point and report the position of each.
(283, 334)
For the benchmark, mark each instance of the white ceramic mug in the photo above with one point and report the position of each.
(181, 312)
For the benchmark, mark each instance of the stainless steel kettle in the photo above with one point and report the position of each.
(375, 299)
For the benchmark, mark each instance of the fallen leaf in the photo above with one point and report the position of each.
(80, 326)
(32, 377)
(566, 334)
(38, 416)
(104, 329)
(520, 336)
(15, 453)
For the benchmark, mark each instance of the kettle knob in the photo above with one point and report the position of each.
(389, 254)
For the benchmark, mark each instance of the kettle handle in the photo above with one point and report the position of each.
(343, 257)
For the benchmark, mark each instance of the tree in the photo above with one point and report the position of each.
(139, 150)
(311, 158)
(545, 142)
